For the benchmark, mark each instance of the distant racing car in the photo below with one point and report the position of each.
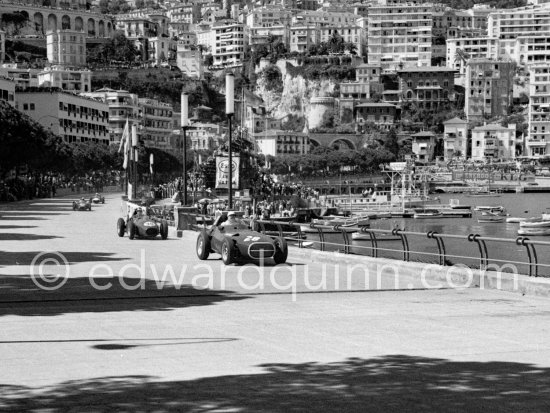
(82, 205)
(98, 199)
(138, 222)
(233, 239)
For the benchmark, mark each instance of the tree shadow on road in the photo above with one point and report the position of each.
(14, 236)
(393, 383)
(4, 227)
(72, 257)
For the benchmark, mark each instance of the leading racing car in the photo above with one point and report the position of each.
(97, 199)
(82, 204)
(139, 223)
(233, 239)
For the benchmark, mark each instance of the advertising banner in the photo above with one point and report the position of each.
(222, 172)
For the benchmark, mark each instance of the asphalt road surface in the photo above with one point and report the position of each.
(143, 325)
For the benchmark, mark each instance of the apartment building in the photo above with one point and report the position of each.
(122, 106)
(260, 35)
(348, 33)
(72, 117)
(279, 142)
(302, 37)
(455, 138)
(7, 91)
(509, 24)
(72, 80)
(187, 13)
(160, 49)
(189, 61)
(66, 47)
(324, 18)
(423, 146)
(459, 50)
(538, 142)
(532, 49)
(400, 34)
(489, 85)
(156, 122)
(268, 16)
(494, 141)
(429, 87)
(230, 42)
(204, 136)
(22, 77)
(382, 114)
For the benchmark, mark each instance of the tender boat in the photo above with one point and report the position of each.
(488, 217)
(534, 231)
(361, 236)
(427, 214)
(492, 209)
(343, 222)
(515, 220)
(539, 223)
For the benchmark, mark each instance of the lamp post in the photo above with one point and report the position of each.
(135, 158)
(184, 126)
(230, 112)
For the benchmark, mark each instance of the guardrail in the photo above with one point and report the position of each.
(438, 247)
(404, 239)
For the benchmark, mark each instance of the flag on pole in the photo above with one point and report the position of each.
(125, 141)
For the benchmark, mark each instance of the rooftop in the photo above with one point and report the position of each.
(426, 69)
(491, 127)
(455, 120)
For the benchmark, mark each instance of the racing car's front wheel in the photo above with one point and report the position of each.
(227, 252)
(120, 227)
(203, 246)
(281, 253)
(131, 230)
(163, 229)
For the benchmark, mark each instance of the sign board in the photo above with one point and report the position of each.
(222, 171)
(246, 193)
(398, 166)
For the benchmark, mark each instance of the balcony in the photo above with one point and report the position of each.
(539, 143)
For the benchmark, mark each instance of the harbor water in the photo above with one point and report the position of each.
(506, 255)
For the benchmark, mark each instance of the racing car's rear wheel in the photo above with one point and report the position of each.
(163, 229)
(227, 252)
(203, 246)
(131, 230)
(281, 254)
(120, 227)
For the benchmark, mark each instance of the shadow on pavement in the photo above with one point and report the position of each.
(7, 236)
(72, 257)
(17, 226)
(20, 296)
(394, 383)
(9, 217)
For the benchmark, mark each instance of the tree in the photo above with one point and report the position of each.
(391, 144)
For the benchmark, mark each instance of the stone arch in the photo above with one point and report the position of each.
(109, 29)
(78, 24)
(91, 27)
(38, 22)
(342, 144)
(25, 14)
(313, 143)
(52, 22)
(101, 28)
(409, 94)
(65, 22)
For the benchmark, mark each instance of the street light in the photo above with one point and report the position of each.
(135, 158)
(230, 112)
(184, 126)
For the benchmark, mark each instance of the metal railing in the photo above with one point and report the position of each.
(402, 241)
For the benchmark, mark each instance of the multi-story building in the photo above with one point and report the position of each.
(538, 142)
(189, 61)
(2, 46)
(73, 80)
(509, 24)
(423, 146)
(400, 34)
(156, 122)
(188, 13)
(123, 106)
(268, 16)
(7, 91)
(230, 42)
(279, 142)
(428, 87)
(139, 30)
(204, 136)
(489, 86)
(22, 77)
(161, 49)
(494, 141)
(531, 50)
(460, 50)
(302, 37)
(66, 47)
(455, 138)
(324, 18)
(348, 33)
(75, 118)
(382, 114)
(259, 35)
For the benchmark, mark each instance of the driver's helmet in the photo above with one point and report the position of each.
(82, 199)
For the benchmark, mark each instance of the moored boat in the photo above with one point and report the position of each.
(539, 223)
(534, 231)
(361, 236)
(488, 217)
(427, 214)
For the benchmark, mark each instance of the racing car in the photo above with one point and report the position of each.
(237, 243)
(139, 223)
(98, 199)
(82, 204)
